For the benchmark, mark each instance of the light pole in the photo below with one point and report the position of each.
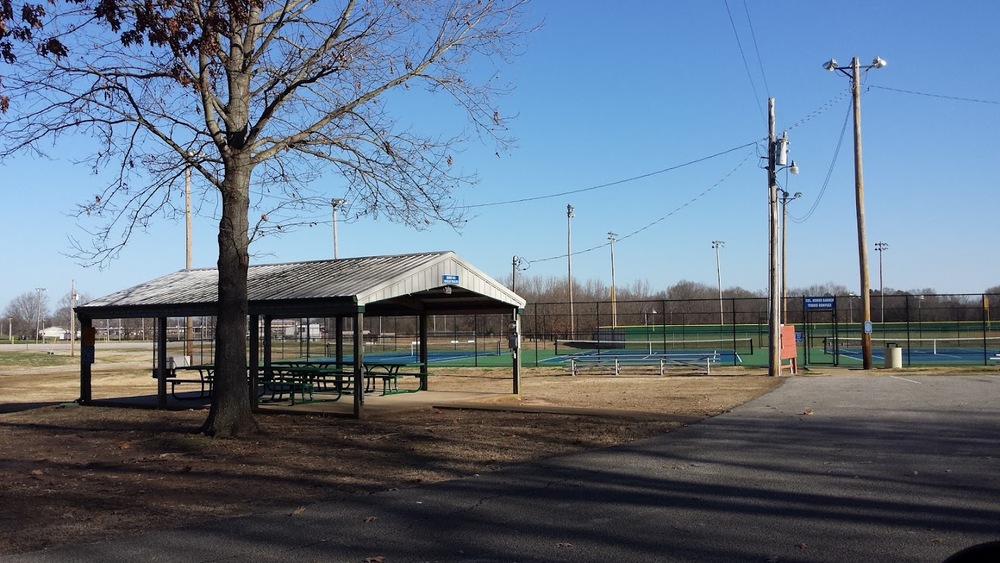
(854, 72)
(777, 155)
(717, 244)
(850, 308)
(38, 311)
(881, 247)
(614, 307)
(569, 266)
(920, 316)
(336, 202)
(189, 322)
(785, 198)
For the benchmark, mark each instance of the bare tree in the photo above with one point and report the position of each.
(27, 310)
(260, 97)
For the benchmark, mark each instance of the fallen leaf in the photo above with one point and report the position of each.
(368, 519)
(37, 472)
(298, 511)
(564, 544)
(376, 559)
(803, 545)
(807, 411)
(124, 446)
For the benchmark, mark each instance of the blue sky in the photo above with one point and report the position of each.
(608, 94)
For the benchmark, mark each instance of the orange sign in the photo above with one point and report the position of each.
(789, 348)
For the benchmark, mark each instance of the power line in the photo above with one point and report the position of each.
(829, 172)
(746, 65)
(614, 183)
(942, 96)
(660, 220)
(760, 61)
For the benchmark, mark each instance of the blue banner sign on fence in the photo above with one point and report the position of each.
(820, 303)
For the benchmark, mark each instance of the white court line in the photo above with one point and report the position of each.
(904, 379)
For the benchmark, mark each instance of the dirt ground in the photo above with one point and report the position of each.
(71, 474)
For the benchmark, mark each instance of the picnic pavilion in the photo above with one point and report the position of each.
(417, 285)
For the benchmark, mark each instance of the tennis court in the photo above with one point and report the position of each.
(951, 350)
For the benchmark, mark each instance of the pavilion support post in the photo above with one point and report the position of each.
(339, 328)
(253, 364)
(87, 340)
(359, 391)
(161, 362)
(515, 351)
(424, 356)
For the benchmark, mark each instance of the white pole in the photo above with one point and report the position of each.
(717, 244)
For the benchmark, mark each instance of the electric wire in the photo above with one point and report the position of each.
(743, 55)
(829, 172)
(756, 48)
(615, 182)
(651, 224)
(942, 96)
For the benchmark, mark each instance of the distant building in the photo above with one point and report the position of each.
(54, 333)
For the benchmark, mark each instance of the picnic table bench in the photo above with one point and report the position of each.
(661, 362)
(389, 372)
(304, 379)
(204, 381)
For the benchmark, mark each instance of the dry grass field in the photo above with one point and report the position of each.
(71, 474)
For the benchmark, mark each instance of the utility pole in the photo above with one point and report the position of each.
(189, 322)
(614, 306)
(854, 73)
(38, 311)
(515, 263)
(72, 318)
(336, 203)
(717, 244)
(569, 266)
(881, 247)
(777, 155)
(773, 328)
(785, 198)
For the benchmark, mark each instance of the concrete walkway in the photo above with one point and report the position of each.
(852, 469)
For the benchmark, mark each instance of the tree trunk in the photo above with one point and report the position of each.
(230, 414)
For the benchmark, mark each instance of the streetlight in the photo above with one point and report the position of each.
(189, 322)
(854, 72)
(614, 310)
(920, 315)
(717, 244)
(777, 156)
(336, 202)
(38, 311)
(850, 308)
(785, 198)
(881, 247)
(569, 266)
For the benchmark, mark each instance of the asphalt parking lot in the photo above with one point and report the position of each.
(835, 468)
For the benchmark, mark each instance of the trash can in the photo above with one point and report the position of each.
(893, 356)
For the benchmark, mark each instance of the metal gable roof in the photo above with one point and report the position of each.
(390, 284)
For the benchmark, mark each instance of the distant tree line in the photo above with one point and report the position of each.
(685, 302)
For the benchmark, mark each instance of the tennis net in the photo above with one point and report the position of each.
(653, 347)
(944, 345)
